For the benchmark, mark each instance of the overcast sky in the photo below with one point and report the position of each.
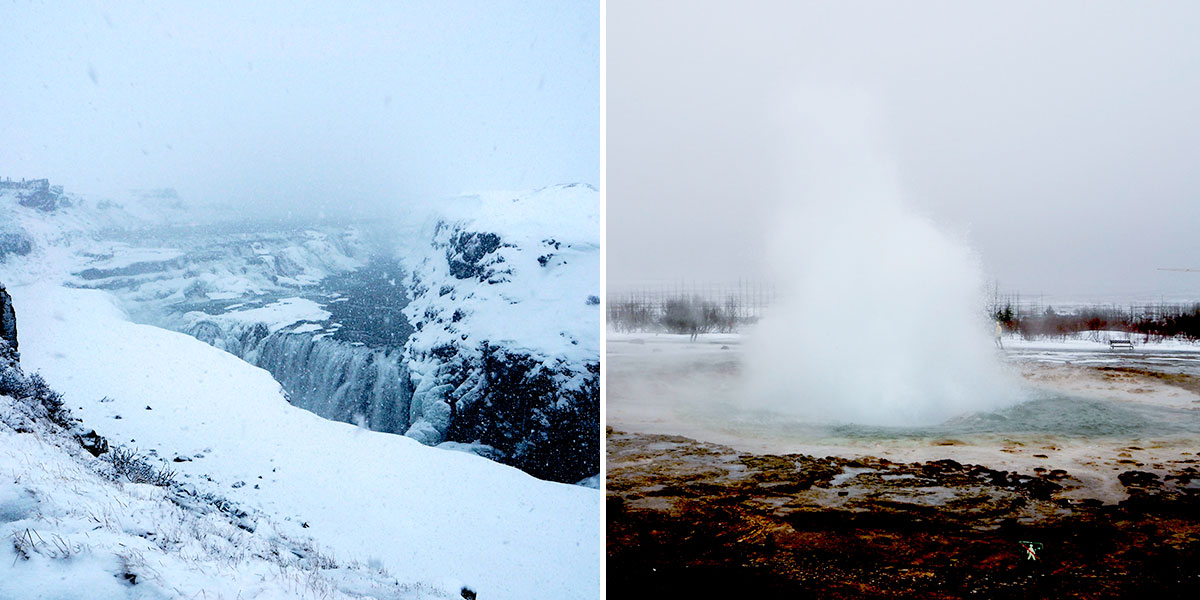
(299, 104)
(1062, 139)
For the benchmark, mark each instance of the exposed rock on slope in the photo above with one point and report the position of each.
(8, 320)
(35, 193)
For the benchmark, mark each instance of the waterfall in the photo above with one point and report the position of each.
(346, 382)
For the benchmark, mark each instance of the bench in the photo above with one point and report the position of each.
(1114, 344)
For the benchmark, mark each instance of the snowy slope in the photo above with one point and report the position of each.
(72, 533)
(427, 515)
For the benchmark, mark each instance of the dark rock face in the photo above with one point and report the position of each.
(43, 200)
(8, 320)
(542, 427)
(468, 255)
(36, 193)
(518, 404)
(93, 442)
(540, 413)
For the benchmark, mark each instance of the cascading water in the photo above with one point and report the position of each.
(341, 382)
(348, 369)
(880, 318)
(334, 379)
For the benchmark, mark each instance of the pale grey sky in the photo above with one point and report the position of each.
(1061, 138)
(301, 104)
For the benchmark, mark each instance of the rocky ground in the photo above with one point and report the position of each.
(688, 518)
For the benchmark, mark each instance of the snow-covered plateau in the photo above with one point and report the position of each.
(199, 347)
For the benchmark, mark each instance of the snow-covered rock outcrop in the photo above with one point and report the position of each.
(506, 343)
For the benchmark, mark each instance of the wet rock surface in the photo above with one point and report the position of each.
(688, 518)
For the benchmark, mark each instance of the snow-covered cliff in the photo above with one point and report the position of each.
(507, 325)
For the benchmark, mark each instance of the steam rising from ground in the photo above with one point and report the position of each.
(881, 317)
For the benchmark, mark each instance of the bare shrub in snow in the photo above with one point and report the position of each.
(682, 315)
(35, 396)
(128, 465)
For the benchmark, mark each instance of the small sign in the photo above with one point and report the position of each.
(1031, 549)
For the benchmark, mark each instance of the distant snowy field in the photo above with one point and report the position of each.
(446, 519)
(1098, 340)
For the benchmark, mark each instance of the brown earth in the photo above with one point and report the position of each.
(692, 519)
(1179, 380)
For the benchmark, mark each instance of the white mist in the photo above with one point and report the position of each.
(881, 315)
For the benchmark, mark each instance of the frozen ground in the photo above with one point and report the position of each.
(70, 532)
(1086, 409)
(445, 519)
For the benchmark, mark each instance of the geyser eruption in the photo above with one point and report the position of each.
(881, 316)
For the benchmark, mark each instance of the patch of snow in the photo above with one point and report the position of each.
(276, 315)
(119, 255)
(306, 328)
(472, 448)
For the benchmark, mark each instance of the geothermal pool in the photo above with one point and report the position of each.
(1082, 407)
